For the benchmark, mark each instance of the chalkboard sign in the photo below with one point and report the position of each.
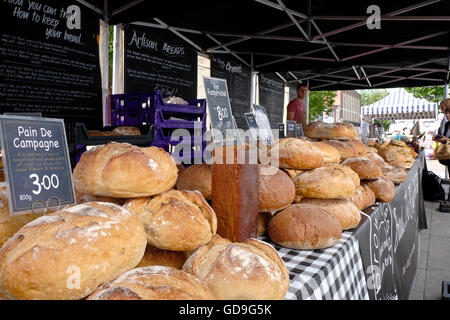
(298, 130)
(36, 163)
(49, 60)
(271, 96)
(238, 78)
(281, 130)
(265, 132)
(290, 128)
(219, 109)
(156, 60)
(252, 125)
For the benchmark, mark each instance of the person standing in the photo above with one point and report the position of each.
(443, 132)
(296, 109)
(441, 128)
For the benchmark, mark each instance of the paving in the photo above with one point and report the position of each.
(434, 253)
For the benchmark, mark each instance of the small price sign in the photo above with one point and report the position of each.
(36, 163)
(265, 131)
(290, 128)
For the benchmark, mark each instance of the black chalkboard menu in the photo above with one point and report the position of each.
(36, 163)
(239, 80)
(49, 60)
(157, 60)
(292, 91)
(271, 96)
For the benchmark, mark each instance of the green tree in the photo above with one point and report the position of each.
(433, 94)
(319, 102)
(370, 96)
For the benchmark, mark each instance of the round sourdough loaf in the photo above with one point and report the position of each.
(322, 130)
(153, 283)
(121, 170)
(69, 253)
(294, 153)
(343, 209)
(363, 197)
(329, 153)
(251, 270)
(383, 188)
(196, 177)
(263, 220)
(348, 148)
(276, 189)
(10, 224)
(365, 168)
(176, 220)
(376, 158)
(329, 182)
(127, 130)
(159, 257)
(348, 171)
(395, 174)
(304, 226)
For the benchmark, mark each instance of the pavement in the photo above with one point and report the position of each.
(434, 248)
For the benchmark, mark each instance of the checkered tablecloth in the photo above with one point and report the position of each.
(335, 273)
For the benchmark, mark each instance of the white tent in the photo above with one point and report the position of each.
(400, 105)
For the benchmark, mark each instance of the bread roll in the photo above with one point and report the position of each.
(328, 152)
(251, 270)
(329, 182)
(121, 170)
(175, 220)
(296, 153)
(70, 253)
(322, 130)
(343, 209)
(263, 220)
(304, 226)
(390, 154)
(10, 224)
(276, 189)
(158, 257)
(196, 177)
(383, 188)
(363, 197)
(365, 168)
(83, 198)
(127, 130)
(395, 174)
(153, 283)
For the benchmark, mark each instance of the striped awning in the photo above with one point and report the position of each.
(400, 105)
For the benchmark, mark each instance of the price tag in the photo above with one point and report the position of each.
(265, 131)
(298, 130)
(281, 130)
(36, 164)
(290, 128)
(219, 109)
(252, 125)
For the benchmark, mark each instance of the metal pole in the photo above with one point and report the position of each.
(306, 102)
(252, 83)
(116, 57)
(105, 80)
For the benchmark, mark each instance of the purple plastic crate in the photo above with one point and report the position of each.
(165, 135)
(131, 109)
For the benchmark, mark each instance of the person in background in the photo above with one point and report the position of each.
(296, 109)
(441, 128)
(443, 134)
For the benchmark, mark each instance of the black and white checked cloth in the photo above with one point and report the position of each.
(335, 273)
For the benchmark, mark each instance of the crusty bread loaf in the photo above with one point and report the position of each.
(343, 209)
(365, 168)
(263, 220)
(322, 130)
(363, 197)
(345, 149)
(383, 188)
(153, 283)
(292, 172)
(181, 168)
(276, 189)
(159, 257)
(328, 152)
(398, 143)
(348, 171)
(175, 220)
(83, 198)
(196, 177)
(10, 224)
(382, 145)
(121, 170)
(69, 253)
(390, 154)
(127, 130)
(304, 226)
(95, 133)
(250, 270)
(395, 174)
(328, 182)
(376, 158)
(295, 153)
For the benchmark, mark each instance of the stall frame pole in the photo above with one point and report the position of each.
(116, 53)
(105, 48)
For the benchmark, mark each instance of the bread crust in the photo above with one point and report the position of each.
(364, 167)
(383, 188)
(338, 131)
(276, 189)
(196, 177)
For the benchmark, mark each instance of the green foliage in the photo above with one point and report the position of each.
(370, 96)
(319, 102)
(433, 94)
(385, 123)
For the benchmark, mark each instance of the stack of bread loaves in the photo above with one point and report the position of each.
(397, 153)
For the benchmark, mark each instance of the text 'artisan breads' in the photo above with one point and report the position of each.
(304, 226)
(322, 130)
(196, 177)
(69, 253)
(153, 283)
(121, 170)
(250, 270)
(276, 189)
(176, 220)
